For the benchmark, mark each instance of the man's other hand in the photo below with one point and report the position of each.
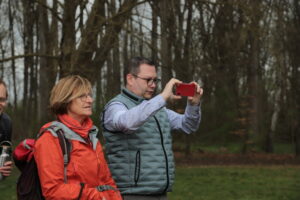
(195, 100)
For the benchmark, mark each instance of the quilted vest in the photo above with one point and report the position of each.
(141, 162)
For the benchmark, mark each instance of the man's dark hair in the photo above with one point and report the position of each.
(135, 62)
(133, 65)
(3, 83)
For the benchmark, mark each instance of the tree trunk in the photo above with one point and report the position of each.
(166, 49)
(68, 37)
(154, 36)
(254, 73)
(125, 54)
(2, 56)
(28, 34)
(43, 63)
(109, 77)
(274, 121)
(117, 69)
(12, 46)
(116, 76)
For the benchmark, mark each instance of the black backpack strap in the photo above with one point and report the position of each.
(81, 189)
(64, 144)
(66, 149)
(102, 188)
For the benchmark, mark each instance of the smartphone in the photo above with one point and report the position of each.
(185, 89)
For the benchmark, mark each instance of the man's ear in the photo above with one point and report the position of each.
(129, 79)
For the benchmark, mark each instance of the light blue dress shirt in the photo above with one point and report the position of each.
(119, 118)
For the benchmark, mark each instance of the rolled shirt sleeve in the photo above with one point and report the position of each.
(187, 122)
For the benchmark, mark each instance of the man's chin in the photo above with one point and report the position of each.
(148, 96)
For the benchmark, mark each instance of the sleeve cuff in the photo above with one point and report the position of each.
(193, 110)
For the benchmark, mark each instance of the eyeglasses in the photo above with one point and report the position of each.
(84, 97)
(150, 81)
(3, 99)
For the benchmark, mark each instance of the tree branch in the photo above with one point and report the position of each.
(27, 55)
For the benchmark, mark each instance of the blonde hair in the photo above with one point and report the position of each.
(67, 89)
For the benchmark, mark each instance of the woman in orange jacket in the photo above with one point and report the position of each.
(87, 175)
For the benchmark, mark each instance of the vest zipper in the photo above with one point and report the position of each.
(137, 167)
(165, 154)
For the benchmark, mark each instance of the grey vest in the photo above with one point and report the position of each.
(141, 162)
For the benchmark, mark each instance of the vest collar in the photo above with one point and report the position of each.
(132, 96)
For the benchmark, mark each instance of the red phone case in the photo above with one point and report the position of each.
(185, 89)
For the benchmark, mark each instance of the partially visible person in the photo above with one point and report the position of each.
(5, 127)
(88, 176)
(137, 132)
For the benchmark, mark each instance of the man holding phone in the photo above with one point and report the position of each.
(137, 132)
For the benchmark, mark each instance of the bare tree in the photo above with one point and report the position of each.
(11, 15)
(83, 56)
(28, 39)
(293, 47)
(166, 19)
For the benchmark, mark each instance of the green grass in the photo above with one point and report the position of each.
(8, 186)
(279, 148)
(218, 183)
(236, 183)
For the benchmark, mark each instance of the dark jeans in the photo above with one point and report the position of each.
(145, 197)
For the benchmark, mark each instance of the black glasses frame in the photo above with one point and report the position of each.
(150, 81)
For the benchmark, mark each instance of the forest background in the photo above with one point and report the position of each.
(245, 53)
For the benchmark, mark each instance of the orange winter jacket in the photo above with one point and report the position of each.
(87, 165)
